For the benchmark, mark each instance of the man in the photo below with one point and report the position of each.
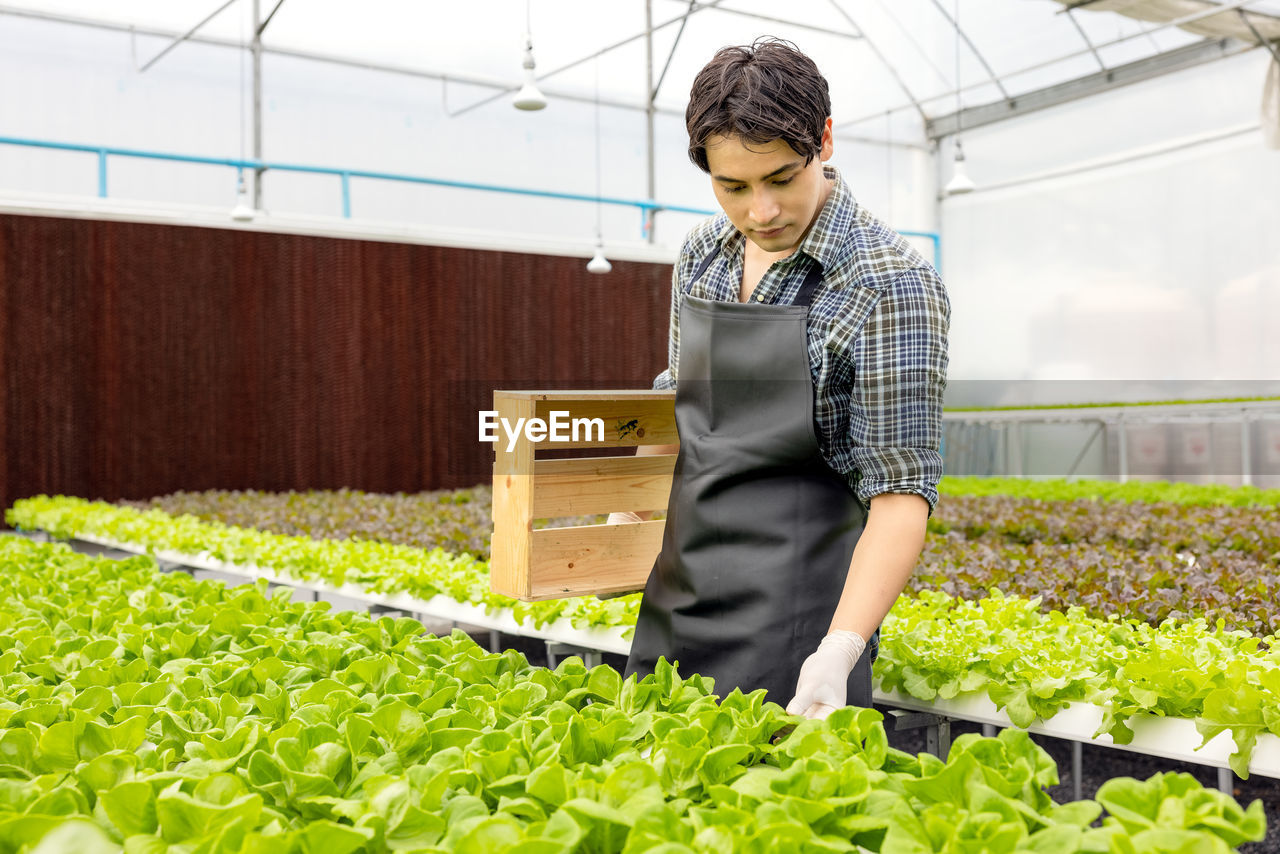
(808, 353)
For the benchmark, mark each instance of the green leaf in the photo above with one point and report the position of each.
(184, 817)
(494, 834)
(81, 837)
(131, 808)
(604, 683)
(549, 783)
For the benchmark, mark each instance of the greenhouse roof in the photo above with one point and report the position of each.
(900, 70)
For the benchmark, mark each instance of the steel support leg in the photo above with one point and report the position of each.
(937, 739)
(1077, 770)
(937, 729)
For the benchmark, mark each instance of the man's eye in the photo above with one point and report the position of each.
(784, 181)
(733, 189)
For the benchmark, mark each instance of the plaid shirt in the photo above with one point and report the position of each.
(877, 339)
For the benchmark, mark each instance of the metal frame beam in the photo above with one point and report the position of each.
(1146, 33)
(794, 24)
(1184, 57)
(1272, 46)
(1079, 29)
(188, 34)
(672, 55)
(995, 78)
(347, 62)
(902, 84)
(647, 33)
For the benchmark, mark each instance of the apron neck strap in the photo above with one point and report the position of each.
(804, 297)
(812, 279)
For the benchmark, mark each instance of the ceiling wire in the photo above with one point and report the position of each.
(242, 52)
(914, 43)
(959, 109)
(599, 205)
(888, 161)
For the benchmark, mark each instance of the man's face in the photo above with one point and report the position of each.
(767, 191)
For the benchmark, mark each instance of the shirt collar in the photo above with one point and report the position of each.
(822, 243)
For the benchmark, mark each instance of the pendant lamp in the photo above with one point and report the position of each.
(529, 97)
(598, 263)
(960, 181)
(243, 211)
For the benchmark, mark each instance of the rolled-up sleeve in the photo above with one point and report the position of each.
(899, 375)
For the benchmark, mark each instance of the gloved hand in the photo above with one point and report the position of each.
(824, 677)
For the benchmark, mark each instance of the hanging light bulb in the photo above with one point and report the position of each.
(243, 211)
(529, 98)
(599, 263)
(960, 181)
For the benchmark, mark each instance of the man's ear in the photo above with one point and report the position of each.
(828, 140)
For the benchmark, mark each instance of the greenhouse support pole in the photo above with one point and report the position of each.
(651, 186)
(257, 105)
(1124, 450)
(1246, 461)
(1015, 447)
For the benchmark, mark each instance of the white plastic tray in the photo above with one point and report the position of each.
(1169, 738)
(440, 607)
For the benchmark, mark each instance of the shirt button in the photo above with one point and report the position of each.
(759, 297)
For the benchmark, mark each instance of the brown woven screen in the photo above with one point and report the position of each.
(140, 359)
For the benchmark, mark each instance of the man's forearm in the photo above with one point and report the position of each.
(882, 563)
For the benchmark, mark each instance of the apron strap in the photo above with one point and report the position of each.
(702, 267)
(804, 297)
(812, 279)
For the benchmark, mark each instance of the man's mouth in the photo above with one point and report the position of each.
(772, 232)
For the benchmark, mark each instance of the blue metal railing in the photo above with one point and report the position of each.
(646, 207)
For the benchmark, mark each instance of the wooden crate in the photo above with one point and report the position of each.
(549, 563)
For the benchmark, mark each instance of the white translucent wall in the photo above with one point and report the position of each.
(1163, 265)
(80, 84)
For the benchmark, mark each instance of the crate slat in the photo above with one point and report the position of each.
(580, 487)
(592, 559)
(626, 422)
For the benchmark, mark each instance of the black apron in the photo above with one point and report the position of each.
(760, 530)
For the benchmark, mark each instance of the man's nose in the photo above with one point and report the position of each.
(764, 207)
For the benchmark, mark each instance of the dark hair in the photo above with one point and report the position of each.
(758, 93)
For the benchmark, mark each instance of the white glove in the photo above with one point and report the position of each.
(824, 677)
